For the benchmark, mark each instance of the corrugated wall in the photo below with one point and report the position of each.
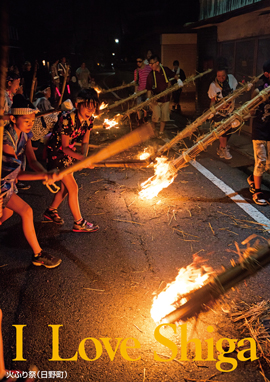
(211, 8)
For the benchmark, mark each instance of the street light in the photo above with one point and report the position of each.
(116, 40)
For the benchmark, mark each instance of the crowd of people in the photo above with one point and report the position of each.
(74, 123)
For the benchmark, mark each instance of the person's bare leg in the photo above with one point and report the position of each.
(19, 206)
(222, 142)
(59, 197)
(257, 182)
(72, 190)
(162, 126)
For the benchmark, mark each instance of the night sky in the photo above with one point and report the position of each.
(87, 29)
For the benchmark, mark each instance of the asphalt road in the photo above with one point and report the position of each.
(105, 286)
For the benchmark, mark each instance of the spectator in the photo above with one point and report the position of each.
(140, 77)
(176, 95)
(223, 85)
(27, 78)
(62, 69)
(42, 102)
(148, 55)
(83, 75)
(157, 82)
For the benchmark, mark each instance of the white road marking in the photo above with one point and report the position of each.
(241, 202)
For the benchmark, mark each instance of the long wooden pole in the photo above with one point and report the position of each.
(189, 129)
(164, 93)
(118, 88)
(127, 164)
(3, 74)
(64, 86)
(129, 140)
(133, 96)
(223, 126)
(117, 103)
(220, 285)
(33, 82)
(191, 153)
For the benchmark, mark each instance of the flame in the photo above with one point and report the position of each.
(164, 176)
(144, 155)
(109, 123)
(97, 90)
(103, 106)
(188, 279)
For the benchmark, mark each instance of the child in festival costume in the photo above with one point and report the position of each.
(15, 143)
(71, 127)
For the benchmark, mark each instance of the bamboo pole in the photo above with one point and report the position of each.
(189, 130)
(220, 285)
(127, 164)
(63, 86)
(38, 115)
(33, 82)
(174, 166)
(223, 126)
(129, 140)
(164, 93)
(118, 88)
(3, 75)
(133, 96)
(117, 103)
(48, 112)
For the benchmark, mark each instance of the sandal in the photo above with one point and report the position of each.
(258, 199)
(251, 183)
